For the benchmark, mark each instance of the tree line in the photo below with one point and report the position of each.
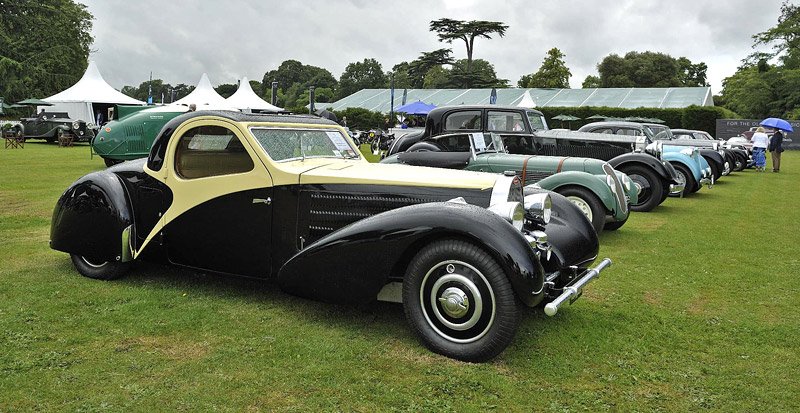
(45, 44)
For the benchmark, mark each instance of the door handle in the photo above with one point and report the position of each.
(267, 201)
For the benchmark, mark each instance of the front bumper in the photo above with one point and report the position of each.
(573, 291)
(676, 188)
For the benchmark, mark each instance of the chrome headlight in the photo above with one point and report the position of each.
(76, 125)
(539, 206)
(507, 188)
(511, 212)
(626, 182)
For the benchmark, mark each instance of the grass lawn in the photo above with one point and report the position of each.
(700, 311)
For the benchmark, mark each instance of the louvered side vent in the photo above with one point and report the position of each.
(532, 177)
(592, 151)
(332, 211)
(134, 139)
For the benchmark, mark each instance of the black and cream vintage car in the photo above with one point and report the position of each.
(290, 198)
(525, 132)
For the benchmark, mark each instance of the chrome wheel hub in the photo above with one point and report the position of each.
(92, 264)
(455, 302)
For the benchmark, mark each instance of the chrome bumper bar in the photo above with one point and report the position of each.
(676, 188)
(575, 290)
(707, 181)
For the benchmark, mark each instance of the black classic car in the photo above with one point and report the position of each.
(736, 158)
(51, 126)
(290, 198)
(528, 135)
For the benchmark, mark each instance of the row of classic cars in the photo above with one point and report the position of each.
(468, 233)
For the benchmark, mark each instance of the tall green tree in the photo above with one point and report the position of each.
(226, 89)
(481, 74)
(44, 46)
(553, 73)
(401, 78)
(591, 81)
(784, 38)
(293, 79)
(361, 75)
(650, 69)
(419, 68)
(448, 30)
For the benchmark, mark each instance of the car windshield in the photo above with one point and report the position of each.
(537, 121)
(290, 144)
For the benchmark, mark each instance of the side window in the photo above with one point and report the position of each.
(464, 120)
(454, 143)
(210, 151)
(629, 132)
(603, 130)
(505, 122)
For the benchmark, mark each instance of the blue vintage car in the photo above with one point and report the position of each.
(692, 169)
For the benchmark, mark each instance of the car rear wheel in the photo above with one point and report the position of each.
(741, 163)
(111, 162)
(588, 203)
(99, 269)
(459, 302)
(614, 225)
(686, 178)
(650, 186)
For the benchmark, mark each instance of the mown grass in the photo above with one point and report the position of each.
(699, 312)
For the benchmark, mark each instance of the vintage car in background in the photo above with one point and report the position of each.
(289, 198)
(132, 131)
(734, 159)
(710, 153)
(600, 192)
(692, 171)
(526, 133)
(51, 126)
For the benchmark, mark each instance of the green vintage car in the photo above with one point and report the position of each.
(600, 192)
(132, 131)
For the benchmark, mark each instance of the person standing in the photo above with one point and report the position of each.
(760, 142)
(775, 148)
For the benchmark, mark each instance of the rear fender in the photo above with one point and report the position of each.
(594, 183)
(94, 218)
(354, 263)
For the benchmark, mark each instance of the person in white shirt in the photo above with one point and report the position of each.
(760, 142)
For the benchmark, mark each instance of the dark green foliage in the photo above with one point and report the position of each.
(44, 46)
(294, 79)
(419, 68)
(158, 88)
(226, 89)
(361, 119)
(591, 82)
(401, 77)
(481, 75)
(784, 38)
(553, 73)
(448, 30)
(649, 69)
(361, 75)
(693, 117)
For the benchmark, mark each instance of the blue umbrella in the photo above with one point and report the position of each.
(415, 108)
(777, 123)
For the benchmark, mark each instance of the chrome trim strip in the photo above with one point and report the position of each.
(618, 189)
(127, 248)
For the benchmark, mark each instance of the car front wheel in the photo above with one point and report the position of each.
(686, 178)
(459, 301)
(589, 205)
(99, 269)
(649, 185)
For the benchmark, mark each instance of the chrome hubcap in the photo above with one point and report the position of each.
(726, 168)
(455, 302)
(582, 205)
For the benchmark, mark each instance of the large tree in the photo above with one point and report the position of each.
(553, 73)
(481, 74)
(44, 46)
(784, 38)
(650, 69)
(448, 30)
(361, 75)
(293, 79)
(419, 68)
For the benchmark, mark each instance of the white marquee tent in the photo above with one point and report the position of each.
(203, 95)
(87, 97)
(246, 100)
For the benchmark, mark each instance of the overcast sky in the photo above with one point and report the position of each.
(180, 40)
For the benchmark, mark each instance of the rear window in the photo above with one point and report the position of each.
(463, 120)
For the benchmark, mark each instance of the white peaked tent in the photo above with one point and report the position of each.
(204, 95)
(245, 99)
(526, 101)
(90, 95)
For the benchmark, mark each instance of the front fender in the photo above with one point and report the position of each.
(91, 216)
(688, 161)
(642, 159)
(594, 183)
(355, 262)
